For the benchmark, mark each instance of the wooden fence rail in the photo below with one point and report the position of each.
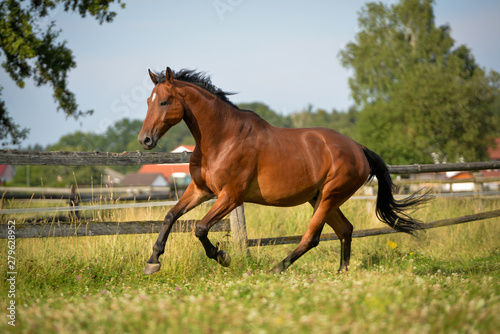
(235, 223)
(42, 229)
(93, 228)
(16, 157)
(237, 219)
(66, 158)
(295, 239)
(436, 168)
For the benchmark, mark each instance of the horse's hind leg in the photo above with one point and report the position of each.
(343, 228)
(309, 240)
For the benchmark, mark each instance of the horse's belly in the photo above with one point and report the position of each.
(273, 194)
(284, 202)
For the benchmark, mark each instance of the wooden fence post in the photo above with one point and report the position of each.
(239, 228)
(73, 202)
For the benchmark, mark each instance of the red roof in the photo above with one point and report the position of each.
(462, 175)
(166, 169)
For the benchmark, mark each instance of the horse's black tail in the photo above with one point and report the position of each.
(390, 210)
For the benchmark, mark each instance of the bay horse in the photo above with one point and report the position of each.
(239, 157)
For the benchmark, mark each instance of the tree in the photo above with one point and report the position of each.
(8, 127)
(343, 122)
(121, 136)
(420, 98)
(266, 113)
(32, 50)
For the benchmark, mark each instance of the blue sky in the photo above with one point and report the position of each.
(284, 54)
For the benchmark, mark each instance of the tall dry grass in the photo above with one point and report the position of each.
(445, 280)
(55, 258)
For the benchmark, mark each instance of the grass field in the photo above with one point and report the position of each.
(444, 281)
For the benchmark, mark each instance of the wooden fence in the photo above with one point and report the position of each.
(236, 223)
(64, 158)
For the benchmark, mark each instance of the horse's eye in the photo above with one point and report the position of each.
(163, 103)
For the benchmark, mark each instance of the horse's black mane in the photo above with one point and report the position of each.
(200, 79)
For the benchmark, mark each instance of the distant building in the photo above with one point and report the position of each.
(7, 173)
(494, 152)
(183, 148)
(112, 176)
(462, 186)
(177, 175)
(144, 180)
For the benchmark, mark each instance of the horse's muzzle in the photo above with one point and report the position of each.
(147, 142)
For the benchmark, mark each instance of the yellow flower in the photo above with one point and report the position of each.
(391, 244)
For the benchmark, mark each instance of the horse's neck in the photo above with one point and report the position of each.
(207, 117)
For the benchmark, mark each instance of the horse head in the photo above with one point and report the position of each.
(165, 109)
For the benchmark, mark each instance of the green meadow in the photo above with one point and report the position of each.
(445, 280)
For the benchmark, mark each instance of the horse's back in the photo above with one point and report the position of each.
(294, 164)
(314, 145)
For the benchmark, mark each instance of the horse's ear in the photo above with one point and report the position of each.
(153, 77)
(169, 75)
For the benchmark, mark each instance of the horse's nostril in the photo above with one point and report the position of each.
(147, 141)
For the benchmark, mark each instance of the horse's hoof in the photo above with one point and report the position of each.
(151, 268)
(223, 258)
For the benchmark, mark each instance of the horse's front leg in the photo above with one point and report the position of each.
(223, 206)
(192, 197)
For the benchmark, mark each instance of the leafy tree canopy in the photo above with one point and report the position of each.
(267, 113)
(31, 49)
(420, 98)
(343, 122)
